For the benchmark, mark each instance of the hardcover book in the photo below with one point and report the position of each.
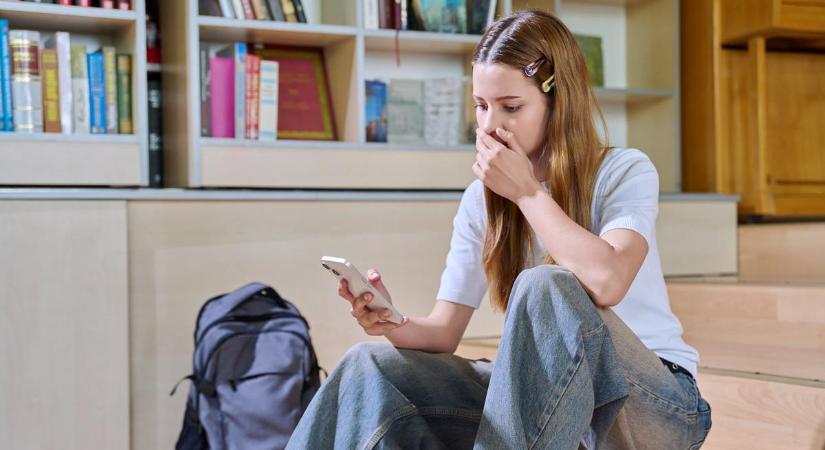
(591, 47)
(222, 96)
(61, 43)
(268, 102)
(97, 92)
(51, 93)
(238, 53)
(80, 91)
(304, 101)
(26, 84)
(376, 113)
(443, 111)
(6, 107)
(110, 74)
(124, 94)
(253, 70)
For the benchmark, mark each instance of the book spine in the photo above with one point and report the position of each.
(240, 90)
(124, 94)
(97, 93)
(221, 97)
(276, 10)
(253, 68)
(64, 77)
(5, 78)
(154, 131)
(66, 2)
(124, 5)
(299, 11)
(26, 85)
(289, 10)
(268, 101)
(110, 67)
(248, 12)
(107, 4)
(237, 6)
(261, 13)
(80, 90)
(371, 14)
(226, 9)
(83, 2)
(51, 95)
(206, 120)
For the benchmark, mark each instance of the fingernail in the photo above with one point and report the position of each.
(368, 297)
(374, 276)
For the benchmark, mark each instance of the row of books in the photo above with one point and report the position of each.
(271, 92)
(59, 88)
(278, 10)
(108, 4)
(443, 16)
(404, 111)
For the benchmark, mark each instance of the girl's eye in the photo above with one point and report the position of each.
(512, 109)
(480, 107)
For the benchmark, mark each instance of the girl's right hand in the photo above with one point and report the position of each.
(374, 323)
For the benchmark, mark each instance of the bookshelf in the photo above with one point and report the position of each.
(54, 159)
(640, 99)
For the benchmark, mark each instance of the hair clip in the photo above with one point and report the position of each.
(531, 69)
(548, 84)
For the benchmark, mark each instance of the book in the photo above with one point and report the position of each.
(83, 2)
(51, 94)
(386, 14)
(209, 8)
(80, 91)
(206, 120)
(376, 110)
(97, 92)
(260, 9)
(110, 83)
(480, 14)
(227, 9)
(443, 16)
(237, 8)
(6, 107)
(124, 94)
(238, 53)
(591, 47)
(65, 2)
(289, 10)
(248, 12)
(222, 96)
(275, 10)
(25, 81)
(305, 109)
(154, 129)
(253, 68)
(405, 112)
(124, 5)
(268, 101)
(443, 111)
(371, 14)
(108, 4)
(300, 14)
(60, 41)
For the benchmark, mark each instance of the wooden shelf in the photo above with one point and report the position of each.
(66, 18)
(421, 41)
(631, 95)
(331, 145)
(223, 30)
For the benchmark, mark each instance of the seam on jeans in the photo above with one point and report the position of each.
(690, 415)
(566, 384)
(594, 331)
(472, 414)
(384, 426)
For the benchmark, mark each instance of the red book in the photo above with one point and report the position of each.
(222, 96)
(83, 2)
(248, 12)
(66, 2)
(253, 75)
(124, 5)
(304, 102)
(108, 4)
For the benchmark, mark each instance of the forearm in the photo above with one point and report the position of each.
(592, 259)
(424, 333)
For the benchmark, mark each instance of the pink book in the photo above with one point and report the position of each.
(222, 96)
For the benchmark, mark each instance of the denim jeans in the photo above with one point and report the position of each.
(568, 375)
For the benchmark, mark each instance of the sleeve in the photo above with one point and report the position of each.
(630, 197)
(463, 280)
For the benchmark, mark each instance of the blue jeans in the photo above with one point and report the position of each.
(568, 375)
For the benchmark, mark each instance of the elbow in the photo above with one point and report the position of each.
(608, 290)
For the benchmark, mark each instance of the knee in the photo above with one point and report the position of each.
(548, 286)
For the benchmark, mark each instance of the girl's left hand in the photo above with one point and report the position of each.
(505, 169)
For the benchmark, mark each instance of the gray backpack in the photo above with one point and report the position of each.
(254, 372)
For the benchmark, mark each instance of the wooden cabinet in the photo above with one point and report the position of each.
(754, 105)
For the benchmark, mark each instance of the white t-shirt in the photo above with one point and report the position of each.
(626, 195)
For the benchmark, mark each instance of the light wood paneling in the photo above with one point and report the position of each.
(772, 329)
(758, 414)
(234, 164)
(742, 19)
(697, 238)
(787, 252)
(651, 128)
(64, 380)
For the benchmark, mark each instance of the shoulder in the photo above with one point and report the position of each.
(625, 165)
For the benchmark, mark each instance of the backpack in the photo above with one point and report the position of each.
(254, 371)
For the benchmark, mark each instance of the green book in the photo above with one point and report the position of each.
(124, 94)
(591, 47)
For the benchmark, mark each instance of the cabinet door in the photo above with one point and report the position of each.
(64, 376)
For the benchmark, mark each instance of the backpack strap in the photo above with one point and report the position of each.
(232, 300)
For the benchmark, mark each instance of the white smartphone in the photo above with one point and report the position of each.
(342, 269)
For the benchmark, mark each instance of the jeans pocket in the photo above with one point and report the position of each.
(703, 423)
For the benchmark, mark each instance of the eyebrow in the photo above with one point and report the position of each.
(503, 97)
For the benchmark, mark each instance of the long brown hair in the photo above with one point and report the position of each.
(574, 148)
